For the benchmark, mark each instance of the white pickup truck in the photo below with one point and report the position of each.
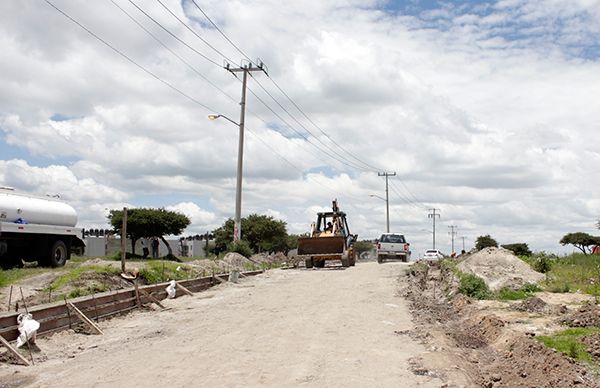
(392, 246)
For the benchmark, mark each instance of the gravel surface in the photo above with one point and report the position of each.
(328, 327)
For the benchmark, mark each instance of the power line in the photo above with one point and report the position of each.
(403, 197)
(173, 52)
(128, 58)
(368, 166)
(221, 32)
(339, 158)
(173, 35)
(192, 31)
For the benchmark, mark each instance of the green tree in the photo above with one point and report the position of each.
(262, 233)
(149, 222)
(484, 242)
(519, 249)
(580, 240)
(363, 246)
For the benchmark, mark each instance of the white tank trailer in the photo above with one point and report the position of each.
(35, 228)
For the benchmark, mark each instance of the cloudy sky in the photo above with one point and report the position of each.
(486, 110)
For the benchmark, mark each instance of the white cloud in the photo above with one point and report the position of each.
(487, 112)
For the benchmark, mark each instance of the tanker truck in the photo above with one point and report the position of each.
(36, 228)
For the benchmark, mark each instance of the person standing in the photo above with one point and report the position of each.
(155, 248)
(145, 251)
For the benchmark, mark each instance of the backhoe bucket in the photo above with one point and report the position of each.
(321, 245)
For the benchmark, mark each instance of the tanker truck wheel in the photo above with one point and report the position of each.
(59, 254)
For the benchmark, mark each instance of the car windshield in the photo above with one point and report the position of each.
(432, 251)
(392, 238)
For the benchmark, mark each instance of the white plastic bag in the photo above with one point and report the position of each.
(28, 328)
(171, 289)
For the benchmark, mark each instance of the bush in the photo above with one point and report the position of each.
(242, 247)
(519, 249)
(473, 286)
(484, 242)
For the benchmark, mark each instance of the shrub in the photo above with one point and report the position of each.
(473, 286)
(242, 247)
(519, 249)
(484, 242)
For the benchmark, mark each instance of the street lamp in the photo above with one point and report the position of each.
(387, 210)
(237, 221)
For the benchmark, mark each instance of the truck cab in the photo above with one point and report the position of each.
(392, 246)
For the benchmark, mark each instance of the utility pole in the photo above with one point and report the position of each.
(453, 233)
(387, 198)
(433, 215)
(237, 221)
(124, 240)
(463, 240)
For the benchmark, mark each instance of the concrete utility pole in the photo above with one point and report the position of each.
(124, 240)
(237, 225)
(453, 233)
(387, 198)
(433, 215)
(463, 240)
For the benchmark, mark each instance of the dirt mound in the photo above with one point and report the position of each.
(527, 363)
(235, 260)
(537, 305)
(477, 334)
(499, 268)
(587, 315)
(593, 345)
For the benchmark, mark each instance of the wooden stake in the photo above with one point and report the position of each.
(185, 290)
(10, 298)
(84, 318)
(14, 351)
(95, 307)
(68, 312)
(137, 295)
(26, 312)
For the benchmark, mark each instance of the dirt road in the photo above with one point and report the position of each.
(314, 328)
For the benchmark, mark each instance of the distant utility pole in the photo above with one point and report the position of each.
(387, 197)
(237, 225)
(433, 215)
(463, 240)
(453, 233)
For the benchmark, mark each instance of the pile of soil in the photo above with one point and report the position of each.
(593, 345)
(537, 305)
(500, 268)
(587, 315)
(527, 363)
(483, 345)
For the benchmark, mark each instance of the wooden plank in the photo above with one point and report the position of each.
(14, 351)
(84, 318)
(185, 290)
(152, 299)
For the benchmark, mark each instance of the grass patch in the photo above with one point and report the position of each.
(161, 271)
(473, 286)
(523, 293)
(575, 272)
(77, 272)
(569, 342)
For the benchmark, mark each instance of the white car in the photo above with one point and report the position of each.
(433, 254)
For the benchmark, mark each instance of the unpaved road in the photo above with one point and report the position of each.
(314, 328)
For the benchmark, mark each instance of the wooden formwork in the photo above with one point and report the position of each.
(57, 316)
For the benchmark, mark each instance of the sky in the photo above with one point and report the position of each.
(487, 111)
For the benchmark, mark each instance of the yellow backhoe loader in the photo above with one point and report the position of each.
(329, 239)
